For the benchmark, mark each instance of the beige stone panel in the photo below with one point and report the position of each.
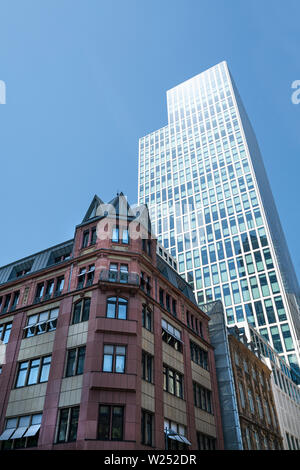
(148, 341)
(119, 258)
(43, 308)
(148, 396)
(26, 400)
(174, 409)
(6, 320)
(201, 376)
(172, 322)
(172, 358)
(88, 261)
(77, 334)
(70, 392)
(205, 422)
(79, 296)
(36, 346)
(199, 343)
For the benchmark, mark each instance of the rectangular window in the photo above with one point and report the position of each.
(173, 382)
(94, 236)
(90, 275)
(21, 432)
(67, 425)
(202, 397)
(287, 338)
(147, 318)
(161, 297)
(81, 311)
(114, 358)
(147, 367)
(33, 371)
(41, 323)
(115, 235)
(147, 421)
(75, 361)
(5, 330)
(171, 335)
(110, 423)
(125, 236)
(85, 239)
(59, 286)
(199, 355)
(15, 301)
(205, 442)
(276, 339)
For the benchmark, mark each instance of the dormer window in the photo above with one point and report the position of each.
(85, 239)
(125, 236)
(94, 236)
(120, 235)
(115, 235)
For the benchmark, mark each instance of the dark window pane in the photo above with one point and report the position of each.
(86, 309)
(117, 423)
(71, 363)
(73, 424)
(104, 422)
(81, 357)
(77, 311)
(46, 362)
(62, 427)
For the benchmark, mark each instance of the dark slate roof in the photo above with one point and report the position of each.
(35, 262)
(46, 258)
(172, 276)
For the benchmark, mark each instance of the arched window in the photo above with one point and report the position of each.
(116, 307)
(81, 311)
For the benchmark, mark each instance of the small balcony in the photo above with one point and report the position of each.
(119, 277)
(113, 382)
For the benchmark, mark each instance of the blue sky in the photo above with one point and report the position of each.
(86, 78)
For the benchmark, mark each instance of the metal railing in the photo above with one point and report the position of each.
(119, 277)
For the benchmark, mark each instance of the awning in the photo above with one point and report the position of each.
(178, 437)
(19, 432)
(32, 430)
(6, 434)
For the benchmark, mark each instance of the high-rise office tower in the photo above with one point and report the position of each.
(211, 205)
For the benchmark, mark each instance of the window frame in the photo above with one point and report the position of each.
(76, 361)
(111, 407)
(147, 318)
(147, 367)
(145, 415)
(124, 301)
(83, 302)
(48, 328)
(4, 327)
(172, 376)
(31, 368)
(114, 355)
(69, 424)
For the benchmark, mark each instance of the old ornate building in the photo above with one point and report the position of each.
(256, 406)
(103, 345)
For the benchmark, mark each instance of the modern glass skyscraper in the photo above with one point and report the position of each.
(211, 205)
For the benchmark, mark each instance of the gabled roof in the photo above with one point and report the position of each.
(120, 208)
(92, 210)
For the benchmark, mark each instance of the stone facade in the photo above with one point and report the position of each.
(256, 406)
(137, 407)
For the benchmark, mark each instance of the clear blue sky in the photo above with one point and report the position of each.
(86, 78)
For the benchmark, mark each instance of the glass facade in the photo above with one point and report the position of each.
(210, 205)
